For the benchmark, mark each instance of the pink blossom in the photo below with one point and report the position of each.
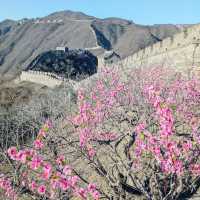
(33, 185)
(156, 151)
(82, 193)
(54, 184)
(47, 168)
(178, 165)
(42, 133)
(64, 184)
(21, 156)
(6, 186)
(80, 95)
(67, 170)
(12, 152)
(73, 180)
(187, 145)
(91, 187)
(36, 162)
(96, 195)
(60, 160)
(42, 189)
(140, 127)
(195, 169)
(91, 152)
(38, 144)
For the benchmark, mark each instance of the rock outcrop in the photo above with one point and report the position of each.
(72, 64)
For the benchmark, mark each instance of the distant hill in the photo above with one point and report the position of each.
(22, 41)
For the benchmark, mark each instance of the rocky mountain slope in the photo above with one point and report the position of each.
(22, 41)
(72, 64)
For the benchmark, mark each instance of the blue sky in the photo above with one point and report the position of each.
(140, 11)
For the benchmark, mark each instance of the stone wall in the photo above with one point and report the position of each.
(47, 78)
(183, 49)
(44, 78)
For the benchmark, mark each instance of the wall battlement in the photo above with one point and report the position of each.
(45, 78)
(49, 79)
(55, 21)
(179, 40)
(182, 48)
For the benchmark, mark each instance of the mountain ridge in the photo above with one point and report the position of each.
(22, 40)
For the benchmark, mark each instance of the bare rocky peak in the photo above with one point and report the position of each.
(68, 14)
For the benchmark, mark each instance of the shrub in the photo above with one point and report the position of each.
(139, 134)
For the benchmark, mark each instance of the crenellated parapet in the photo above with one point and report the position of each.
(185, 38)
(42, 21)
(181, 49)
(45, 78)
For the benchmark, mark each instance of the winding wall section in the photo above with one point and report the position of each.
(183, 49)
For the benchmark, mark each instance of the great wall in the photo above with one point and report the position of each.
(44, 78)
(181, 50)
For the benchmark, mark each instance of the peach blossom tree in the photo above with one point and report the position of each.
(159, 157)
(139, 132)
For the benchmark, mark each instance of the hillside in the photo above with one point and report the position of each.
(72, 64)
(22, 41)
